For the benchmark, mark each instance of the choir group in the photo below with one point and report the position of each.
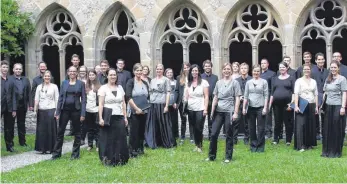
(102, 102)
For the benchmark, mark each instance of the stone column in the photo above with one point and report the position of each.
(329, 54)
(62, 64)
(254, 55)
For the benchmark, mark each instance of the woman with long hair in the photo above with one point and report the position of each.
(46, 100)
(181, 82)
(158, 124)
(236, 70)
(335, 88)
(90, 126)
(172, 109)
(137, 92)
(225, 107)
(113, 148)
(255, 106)
(196, 96)
(282, 95)
(305, 122)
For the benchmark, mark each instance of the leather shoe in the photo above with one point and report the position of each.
(10, 149)
(55, 157)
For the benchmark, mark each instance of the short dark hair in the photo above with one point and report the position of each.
(318, 54)
(5, 62)
(75, 55)
(41, 62)
(284, 57)
(307, 53)
(121, 60)
(265, 59)
(207, 62)
(104, 61)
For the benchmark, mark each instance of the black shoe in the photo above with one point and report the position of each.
(55, 157)
(10, 149)
(24, 145)
(235, 142)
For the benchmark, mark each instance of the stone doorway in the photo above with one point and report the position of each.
(172, 56)
(199, 52)
(50, 54)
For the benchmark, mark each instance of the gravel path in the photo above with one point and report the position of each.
(9, 163)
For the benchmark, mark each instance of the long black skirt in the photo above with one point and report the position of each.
(158, 131)
(46, 130)
(333, 132)
(113, 148)
(305, 128)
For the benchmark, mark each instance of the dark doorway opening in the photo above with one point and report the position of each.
(339, 45)
(51, 57)
(241, 52)
(172, 56)
(271, 50)
(17, 59)
(314, 46)
(128, 50)
(71, 50)
(199, 52)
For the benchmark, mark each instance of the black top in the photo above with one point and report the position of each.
(3, 94)
(343, 70)
(102, 78)
(291, 72)
(282, 90)
(123, 77)
(212, 80)
(70, 98)
(320, 75)
(268, 75)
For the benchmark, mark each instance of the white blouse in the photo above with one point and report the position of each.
(113, 102)
(196, 101)
(306, 90)
(91, 106)
(47, 96)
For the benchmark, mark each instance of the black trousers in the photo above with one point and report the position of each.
(65, 116)
(221, 118)
(319, 124)
(209, 121)
(8, 128)
(89, 126)
(236, 124)
(256, 123)
(21, 114)
(184, 124)
(268, 123)
(137, 133)
(283, 116)
(197, 120)
(174, 121)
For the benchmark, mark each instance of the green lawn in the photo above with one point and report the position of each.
(279, 163)
(30, 140)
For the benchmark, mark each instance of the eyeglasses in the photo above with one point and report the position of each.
(73, 71)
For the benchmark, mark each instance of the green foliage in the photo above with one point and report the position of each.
(16, 28)
(278, 164)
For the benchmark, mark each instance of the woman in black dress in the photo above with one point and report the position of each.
(335, 88)
(158, 130)
(172, 106)
(137, 88)
(46, 100)
(113, 148)
(282, 95)
(305, 122)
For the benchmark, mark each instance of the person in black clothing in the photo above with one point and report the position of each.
(307, 60)
(290, 71)
(181, 81)
(267, 74)
(71, 105)
(19, 95)
(343, 68)
(42, 66)
(212, 80)
(244, 68)
(102, 77)
(282, 90)
(75, 60)
(320, 74)
(172, 109)
(137, 88)
(123, 75)
(5, 111)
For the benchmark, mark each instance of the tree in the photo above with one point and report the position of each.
(16, 28)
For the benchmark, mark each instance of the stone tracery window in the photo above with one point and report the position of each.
(251, 33)
(184, 30)
(325, 22)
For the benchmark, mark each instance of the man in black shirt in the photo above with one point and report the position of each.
(320, 74)
(123, 75)
(19, 95)
(212, 80)
(267, 75)
(42, 66)
(104, 66)
(244, 68)
(5, 113)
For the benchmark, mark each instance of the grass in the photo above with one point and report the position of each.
(30, 141)
(279, 163)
